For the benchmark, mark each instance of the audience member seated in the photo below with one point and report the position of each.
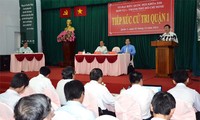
(101, 48)
(33, 107)
(142, 95)
(74, 93)
(42, 84)
(25, 48)
(103, 96)
(163, 106)
(182, 92)
(19, 82)
(68, 74)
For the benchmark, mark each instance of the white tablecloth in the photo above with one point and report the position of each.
(25, 65)
(117, 68)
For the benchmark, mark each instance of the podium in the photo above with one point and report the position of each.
(164, 57)
(68, 53)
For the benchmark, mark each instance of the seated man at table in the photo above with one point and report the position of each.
(128, 48)
(12, 95)
(100, 92)
(101, 48)
(25, 48)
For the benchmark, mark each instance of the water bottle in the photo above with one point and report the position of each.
(84, 51)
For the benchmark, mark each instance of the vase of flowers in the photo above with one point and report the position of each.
(66, 36)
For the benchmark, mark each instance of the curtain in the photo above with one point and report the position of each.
(92, 28)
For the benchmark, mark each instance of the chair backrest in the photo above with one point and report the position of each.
(116, 49)
(126, 108)
(6, 113)
(183, 111)
(90, 102)
(53, 96)
(106, 117)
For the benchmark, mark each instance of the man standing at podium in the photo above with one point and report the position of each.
(168, 35)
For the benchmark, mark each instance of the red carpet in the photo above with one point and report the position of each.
(114, 84)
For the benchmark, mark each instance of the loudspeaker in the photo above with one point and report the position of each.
(4, 62)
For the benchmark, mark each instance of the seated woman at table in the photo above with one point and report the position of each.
(25, 48)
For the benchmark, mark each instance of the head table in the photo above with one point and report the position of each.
(26, 62)
(110, 64)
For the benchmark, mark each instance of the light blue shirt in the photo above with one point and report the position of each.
(77, 110)
(128, 48)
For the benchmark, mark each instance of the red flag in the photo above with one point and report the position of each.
(80, 11)
(65, 12)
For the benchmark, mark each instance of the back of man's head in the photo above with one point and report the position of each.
(33, 107)
(95, 74)
(45, 70)
(68, 72)
(162, 103)
(135, 77)
(19, 80)
(180, 76)
(73, 90)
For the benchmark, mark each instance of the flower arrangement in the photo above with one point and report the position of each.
(66, 36)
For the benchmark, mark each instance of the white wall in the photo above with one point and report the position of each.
(9, 26)
(39, 26)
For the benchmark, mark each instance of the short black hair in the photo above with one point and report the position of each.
(45, 70)
(167, 25)
(95, 74)
(180, 76)
(73, 89)
(19, 80)
(162, 103)
(33, 107)
(68, 72)
(135, 77)
(25, 41)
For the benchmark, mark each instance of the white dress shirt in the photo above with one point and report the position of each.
(102, 49)
(25, 50)
(77, 110)
(62, 115)
(10, 97)
(157, 118)
(182, 92)
(143, 96)
(60, 90)
(171, 36)
(103, 96)
(40, 82)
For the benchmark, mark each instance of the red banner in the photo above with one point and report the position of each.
(65, 12)
(140, 17)
(80, 11)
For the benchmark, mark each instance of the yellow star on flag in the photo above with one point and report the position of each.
(80, 11)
